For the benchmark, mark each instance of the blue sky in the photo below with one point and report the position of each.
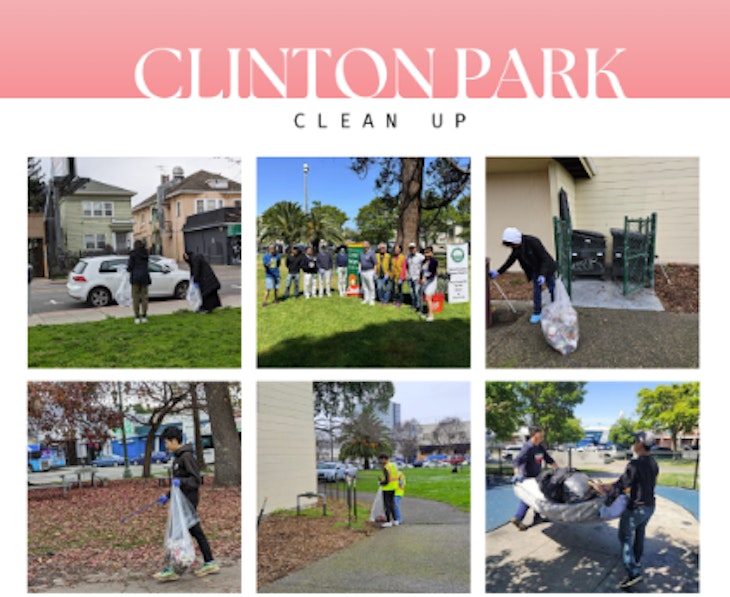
(329, 181)
(429, 402)
(605, 401)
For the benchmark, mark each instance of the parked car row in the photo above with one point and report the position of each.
(115, 460)
(335, 471)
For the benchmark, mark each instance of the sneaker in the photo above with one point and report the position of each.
(429, 318)
(396, 523)
(207, 568)
(535, 318)
(265, 305)
(136, 320)
(519, 524)
(386, 525)
(167, 575)
(144, 320)
(630, 581)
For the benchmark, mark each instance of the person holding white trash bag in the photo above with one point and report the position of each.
(536, 262)
(186, 476)
(139, 278)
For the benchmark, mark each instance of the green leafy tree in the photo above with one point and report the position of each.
(377, 221)
(571, 431)
(674, 409)
(324, 223)
(550, 404)
(621, 431)
(283, 221)
(364, 437)
(504, 409)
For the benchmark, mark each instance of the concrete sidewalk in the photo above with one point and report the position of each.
(227, 581)
(86, 314)
(428, 553)
(585, 558)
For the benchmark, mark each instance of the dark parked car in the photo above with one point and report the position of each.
(108, 460)
(155, 458)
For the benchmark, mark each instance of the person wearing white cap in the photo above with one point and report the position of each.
(639, 481)
(536, 262)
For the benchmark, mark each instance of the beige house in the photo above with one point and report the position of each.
(523, 192)
(181, 197)
(286, 450)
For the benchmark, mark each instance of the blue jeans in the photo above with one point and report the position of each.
(415, 293)
(537, 293)
(383, 289)
(291, 279)
(397, 508)
(631, 533)
(397, 290)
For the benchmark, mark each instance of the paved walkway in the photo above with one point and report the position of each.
(585, 558)
(227, 581)
(85, 314)
(428, 553)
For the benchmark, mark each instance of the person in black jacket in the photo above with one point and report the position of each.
(536, 262)
(293, 264)
(139, 278)
(204, 277)
(639, 481)
(186, 475)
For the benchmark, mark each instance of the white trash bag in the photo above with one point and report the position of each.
(377, 511)
(193, 296)
(179, 547)
(123, 295)
(560, 322)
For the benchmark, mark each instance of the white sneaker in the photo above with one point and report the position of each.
(372, 303)
(136, 320)
(364, 302)
(395, 523)
(385, 525)
(429, 318)
(144, 320)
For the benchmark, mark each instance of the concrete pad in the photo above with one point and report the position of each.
(608, 294)
(585, 558)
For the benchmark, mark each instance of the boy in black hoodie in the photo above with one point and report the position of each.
(186, 476)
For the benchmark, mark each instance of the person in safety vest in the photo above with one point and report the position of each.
(388, 485)
(398, 496)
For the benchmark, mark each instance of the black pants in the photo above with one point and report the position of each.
(197, 532)
(389, 505)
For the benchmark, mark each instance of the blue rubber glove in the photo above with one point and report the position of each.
(162, 500)
(540, 280)
(493, 273)
(517, 479)
(176, 482)
(196, 285)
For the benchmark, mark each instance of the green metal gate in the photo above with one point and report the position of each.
(636, 259)
(563, 232)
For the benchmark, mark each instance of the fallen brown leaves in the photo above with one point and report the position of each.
(679, 290)
(80, 537)
(287, 543)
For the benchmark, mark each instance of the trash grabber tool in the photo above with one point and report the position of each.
(511, 306)
(142, 509)
(261, 512)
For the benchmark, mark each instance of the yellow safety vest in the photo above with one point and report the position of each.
(392, 484)
(401, 484)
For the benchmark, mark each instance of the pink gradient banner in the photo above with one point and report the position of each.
(383, 49)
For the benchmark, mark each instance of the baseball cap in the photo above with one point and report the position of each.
(411, 245)
(512, 235)
(645, 437)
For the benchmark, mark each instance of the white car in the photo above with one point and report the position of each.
(96, 280)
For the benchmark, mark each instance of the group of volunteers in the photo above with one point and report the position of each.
(382, 274)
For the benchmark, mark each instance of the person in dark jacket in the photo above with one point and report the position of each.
(536, 262)
(528, 464)
(203, 276)
(639, 481)
(293, 264)
(186, 475)
(139, 278)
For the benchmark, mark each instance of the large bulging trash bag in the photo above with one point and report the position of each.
(576, 488)
(179, 548)
(560, 322)
(377, 510)
(193, 296)
(123, 295)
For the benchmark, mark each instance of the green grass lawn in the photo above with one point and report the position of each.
(182, 339)
(437, 484)
(342, 332)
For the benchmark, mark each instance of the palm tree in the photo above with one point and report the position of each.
(320, 225)
(364, 436)
(283, 221)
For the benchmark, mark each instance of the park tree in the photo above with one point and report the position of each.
(405, 436)
(225, 434)
(377, 220)
(504, 409)
(338, 402)
(550, 404)
(621, 432)
(36, 186)
(283, 221)
(364, 437)
(412, 187)
(570, 431)
(449, 433)
(674, 409)
(324, 223)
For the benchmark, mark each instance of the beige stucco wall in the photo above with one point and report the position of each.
(286, 450)
(636, 187)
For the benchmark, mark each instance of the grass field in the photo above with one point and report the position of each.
(342, 332)
(438, 484)
(183, 339)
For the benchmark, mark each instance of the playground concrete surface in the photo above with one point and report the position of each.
(586, 558)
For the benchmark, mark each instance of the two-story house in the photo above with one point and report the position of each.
(95, 217)
(160, 220)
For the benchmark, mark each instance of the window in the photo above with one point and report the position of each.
(202, 205)
(94, 241)
(178, 209)
(97, 209)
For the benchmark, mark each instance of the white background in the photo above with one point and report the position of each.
(264, 128)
